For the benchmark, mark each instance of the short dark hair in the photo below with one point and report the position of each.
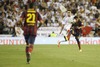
(32, 5)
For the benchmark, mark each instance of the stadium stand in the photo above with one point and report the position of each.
(89, 10)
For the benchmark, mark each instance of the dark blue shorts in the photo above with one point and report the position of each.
(30, 39)
(76, 32)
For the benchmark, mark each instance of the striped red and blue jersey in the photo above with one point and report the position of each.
(30, 18)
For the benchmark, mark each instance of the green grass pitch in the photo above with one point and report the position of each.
(50, 56)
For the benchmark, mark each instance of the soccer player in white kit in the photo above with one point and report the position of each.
(66, 24)
(67, 21)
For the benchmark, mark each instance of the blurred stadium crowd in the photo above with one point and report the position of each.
(88, 10)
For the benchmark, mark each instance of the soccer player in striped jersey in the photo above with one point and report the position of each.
(30, 18)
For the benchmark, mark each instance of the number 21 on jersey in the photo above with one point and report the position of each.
(30, 18)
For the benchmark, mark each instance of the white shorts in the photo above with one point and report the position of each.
(67, 26)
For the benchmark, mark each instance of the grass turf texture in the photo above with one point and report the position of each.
(51, 56)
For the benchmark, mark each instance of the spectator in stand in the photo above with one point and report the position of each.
(1, 25)
(1, 18)
(90, 8)
(25, 3)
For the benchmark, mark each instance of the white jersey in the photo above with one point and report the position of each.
(67, 21)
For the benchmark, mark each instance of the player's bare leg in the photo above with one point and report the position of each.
(66, 39)
(59, 42)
